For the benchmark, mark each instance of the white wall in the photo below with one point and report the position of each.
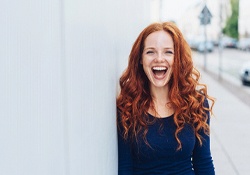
(59, 66)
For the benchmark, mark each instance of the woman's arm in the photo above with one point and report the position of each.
(125, 161)
(202, 159)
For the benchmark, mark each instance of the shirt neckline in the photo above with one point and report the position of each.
(163, 118)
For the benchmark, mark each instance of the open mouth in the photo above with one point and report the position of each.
(159, 71)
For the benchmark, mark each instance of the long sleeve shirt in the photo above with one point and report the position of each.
(162, 156)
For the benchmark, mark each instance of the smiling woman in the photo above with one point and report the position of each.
(162, 115)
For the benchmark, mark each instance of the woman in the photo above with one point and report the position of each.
(163, 112)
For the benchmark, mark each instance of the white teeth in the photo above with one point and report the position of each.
(159, 68)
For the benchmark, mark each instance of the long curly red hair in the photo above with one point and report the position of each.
(186, 94)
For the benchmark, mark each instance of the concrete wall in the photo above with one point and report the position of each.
(59, 66)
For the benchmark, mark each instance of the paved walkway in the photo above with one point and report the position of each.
(230, 126)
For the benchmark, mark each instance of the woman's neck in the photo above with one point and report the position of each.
(161, 106)
(160, 95)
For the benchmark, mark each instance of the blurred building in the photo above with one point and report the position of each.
(244, 19)
(190, 22)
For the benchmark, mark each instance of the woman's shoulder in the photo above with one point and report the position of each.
(205, 103)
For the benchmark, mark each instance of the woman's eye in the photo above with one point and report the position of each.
(169, 52)
(149, 52)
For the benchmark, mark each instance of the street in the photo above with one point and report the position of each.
(231, 59)
(225, 65)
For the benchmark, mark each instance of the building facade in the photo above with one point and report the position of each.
(244, 19)
(190, 22)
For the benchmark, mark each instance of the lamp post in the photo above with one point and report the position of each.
(205, 19)
(220, 47)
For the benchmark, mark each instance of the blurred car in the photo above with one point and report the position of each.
(245, 73)
(244, 44)
(202, 44)
(228, 42)
(199, 45)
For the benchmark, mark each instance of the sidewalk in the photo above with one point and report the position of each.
(230, 131)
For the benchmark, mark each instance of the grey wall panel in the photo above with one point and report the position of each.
(30, 92)
(59, 68)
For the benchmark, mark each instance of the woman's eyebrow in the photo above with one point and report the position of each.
(167, 48)
(149, 48)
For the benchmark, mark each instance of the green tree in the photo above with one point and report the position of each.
(231, 28)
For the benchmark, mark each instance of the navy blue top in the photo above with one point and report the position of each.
(163, 158)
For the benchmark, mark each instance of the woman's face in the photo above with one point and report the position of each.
(158, 58)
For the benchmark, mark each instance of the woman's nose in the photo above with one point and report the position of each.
(159, 58)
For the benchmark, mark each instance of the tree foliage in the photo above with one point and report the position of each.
(231, 28)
